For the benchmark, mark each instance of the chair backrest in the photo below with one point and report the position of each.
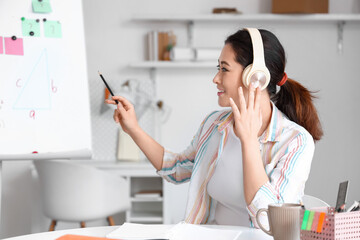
(313, 202)
(75, 192)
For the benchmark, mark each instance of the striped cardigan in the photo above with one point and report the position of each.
(286, 149)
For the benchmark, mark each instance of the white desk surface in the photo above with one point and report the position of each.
(248, 233)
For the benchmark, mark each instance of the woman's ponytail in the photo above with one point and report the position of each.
(295, 101)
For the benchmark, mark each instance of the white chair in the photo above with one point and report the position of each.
(78, 193)
(313, 202)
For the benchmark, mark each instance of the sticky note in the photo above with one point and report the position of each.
(52, 29)
(310, 220)
(321, 222)
(41, 6)
(14, 47)
(30, 27)
(305, 220)
(315, 221)
(1, 45)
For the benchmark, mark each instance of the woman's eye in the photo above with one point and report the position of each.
(222, 69)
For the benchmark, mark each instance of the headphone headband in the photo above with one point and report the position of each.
(258, 47)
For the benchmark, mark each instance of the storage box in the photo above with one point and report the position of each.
(336, 226)
(300, 6)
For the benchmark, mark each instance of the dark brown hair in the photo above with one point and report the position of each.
(293, 99)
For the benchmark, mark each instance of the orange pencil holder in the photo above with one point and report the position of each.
(331, 225)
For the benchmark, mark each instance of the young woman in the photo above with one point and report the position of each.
(243, 159)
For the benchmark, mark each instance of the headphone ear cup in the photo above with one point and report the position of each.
(249, 71)
(245, 76)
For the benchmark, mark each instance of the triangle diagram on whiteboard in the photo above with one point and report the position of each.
(35, 94)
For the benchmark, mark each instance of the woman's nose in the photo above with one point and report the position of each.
(216, 78)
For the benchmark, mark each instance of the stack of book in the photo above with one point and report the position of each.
(159, 45)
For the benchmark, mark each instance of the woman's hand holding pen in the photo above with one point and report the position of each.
(247, 117)
(124, 114)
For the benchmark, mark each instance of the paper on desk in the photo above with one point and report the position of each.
(181, 231)
(185, 231)
(134, 231)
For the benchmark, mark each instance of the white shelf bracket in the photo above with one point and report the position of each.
(340, 41)
(190, 33)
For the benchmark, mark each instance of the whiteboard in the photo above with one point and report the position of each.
(44, 95)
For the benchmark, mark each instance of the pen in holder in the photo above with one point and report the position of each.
(329, 225)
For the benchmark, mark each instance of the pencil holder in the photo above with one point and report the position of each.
(335, 226)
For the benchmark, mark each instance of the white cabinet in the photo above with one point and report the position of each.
(141, 176)
(145, 208)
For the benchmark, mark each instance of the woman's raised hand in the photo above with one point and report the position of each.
(247, 117)
(124, 114)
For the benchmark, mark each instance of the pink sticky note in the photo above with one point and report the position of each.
(315, 221)
(14, 47)
(1, 46)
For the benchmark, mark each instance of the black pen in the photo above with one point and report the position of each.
(107, 86)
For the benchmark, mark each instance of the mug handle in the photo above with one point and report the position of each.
(259, 223)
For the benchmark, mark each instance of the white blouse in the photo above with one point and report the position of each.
(226, 185)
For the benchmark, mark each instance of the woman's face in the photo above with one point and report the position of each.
(229, 77)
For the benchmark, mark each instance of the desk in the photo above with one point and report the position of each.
(248, 233)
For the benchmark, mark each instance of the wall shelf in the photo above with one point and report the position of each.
(172, 64)
(250, 17)
(189, 19)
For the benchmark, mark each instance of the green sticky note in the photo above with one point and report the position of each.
(52, 29)
(41, 6)
(305, 220)
(30, 27)
(310, 220)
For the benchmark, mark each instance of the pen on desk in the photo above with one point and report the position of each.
(107, 86)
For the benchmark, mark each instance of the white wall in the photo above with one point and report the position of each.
(113, 41)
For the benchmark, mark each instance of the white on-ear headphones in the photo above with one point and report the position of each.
(256, 72)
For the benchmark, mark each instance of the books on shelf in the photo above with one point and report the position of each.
(148, 194)
(159, 45)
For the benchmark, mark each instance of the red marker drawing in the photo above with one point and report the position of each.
(32, 114)
(53, 88)
(34, 152)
